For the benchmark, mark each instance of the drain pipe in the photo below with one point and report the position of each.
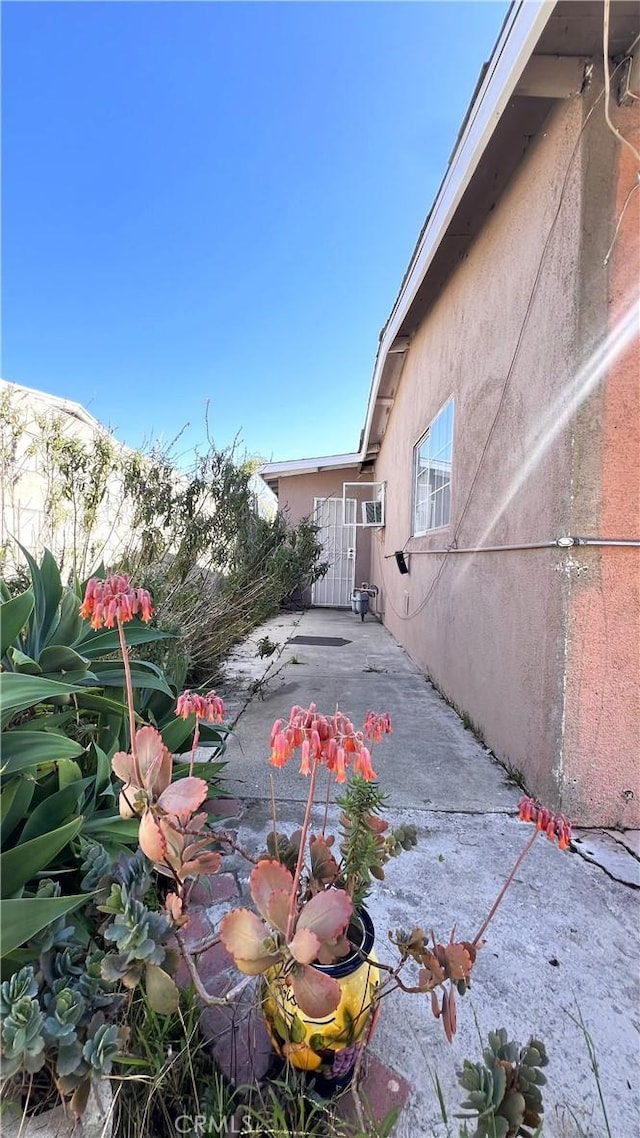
(556, 543)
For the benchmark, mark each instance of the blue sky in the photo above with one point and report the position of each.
(211, 201)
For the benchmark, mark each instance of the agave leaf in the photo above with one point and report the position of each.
(68, 773)
(55, 810)
(103, 643)
(269, 876)
(47, 591)
(162, 992)
(23, 749)
(327, 914)
(317, 994)
(14, 614)
(19, 865)
(22, 663)
(21, 919)
(18, 692)
(61, 658)
(110, 673)
(69, 625)
(15, 799)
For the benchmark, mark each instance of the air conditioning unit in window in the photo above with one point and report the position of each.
(373, 513)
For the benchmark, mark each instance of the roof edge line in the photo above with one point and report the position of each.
(509, 58)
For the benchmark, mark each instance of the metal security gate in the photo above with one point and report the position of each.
(338, 536)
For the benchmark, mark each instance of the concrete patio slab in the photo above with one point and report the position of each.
(563, 944)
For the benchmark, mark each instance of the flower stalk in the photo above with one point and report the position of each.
(291, 918)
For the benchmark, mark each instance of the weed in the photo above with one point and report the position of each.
(593, 1062)
(266, 647)
(166, 1073)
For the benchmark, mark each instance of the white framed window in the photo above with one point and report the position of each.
(432, 457)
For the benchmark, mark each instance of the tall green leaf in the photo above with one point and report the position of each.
(19, 865)
(17, 692)
(14, 615)
(103, 643)
(55, 810)
(47, 590)
(22, 918)
(110, 673)
(23, 749)
(61, 658)
(15, 800)
(69, 626)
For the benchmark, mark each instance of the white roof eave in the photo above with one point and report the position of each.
(522, 29)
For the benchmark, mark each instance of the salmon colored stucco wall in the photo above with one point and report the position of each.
(601, 759)
(496, 631)
(296, 494)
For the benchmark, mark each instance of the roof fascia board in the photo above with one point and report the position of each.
(308, 465)
(522, 29)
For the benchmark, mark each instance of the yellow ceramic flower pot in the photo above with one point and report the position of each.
(328, 1047)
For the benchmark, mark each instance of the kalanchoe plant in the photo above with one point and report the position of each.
(307, 915)
(317, 934)
(303, 869)
(172, 833)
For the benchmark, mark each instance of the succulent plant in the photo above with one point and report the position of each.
(66, 1009)
(99, 1051)
(134, 871)
(22, 1040)
(504, 1089)
(95, 865)
(137, 932)
(92, 986)
(22, 984)
(366, 845)
(404, 837)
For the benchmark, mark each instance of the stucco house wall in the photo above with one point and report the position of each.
(518, 641)
(601, 755)
(296, 494)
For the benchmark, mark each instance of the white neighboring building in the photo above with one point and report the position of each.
(34, 509)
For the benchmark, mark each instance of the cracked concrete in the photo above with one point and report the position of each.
(563, 944)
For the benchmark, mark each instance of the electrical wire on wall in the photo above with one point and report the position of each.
(510, 371)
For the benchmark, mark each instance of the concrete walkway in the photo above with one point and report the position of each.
(564, 944)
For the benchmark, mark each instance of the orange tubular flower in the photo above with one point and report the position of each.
(209, 707)
(114, 600)
(329, 740)
(553, 825)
